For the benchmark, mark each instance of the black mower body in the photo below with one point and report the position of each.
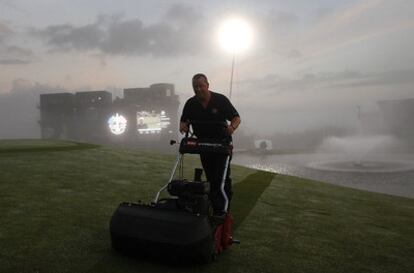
(151, 230)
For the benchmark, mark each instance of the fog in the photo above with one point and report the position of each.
(309, 69)
(19, 110)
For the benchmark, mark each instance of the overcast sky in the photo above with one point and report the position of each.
(311, 63)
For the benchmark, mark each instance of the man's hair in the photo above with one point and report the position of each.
(198, 76)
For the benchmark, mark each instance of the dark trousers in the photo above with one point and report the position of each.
(214, 166)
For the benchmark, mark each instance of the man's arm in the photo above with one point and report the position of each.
(183, 127)
(234, 123)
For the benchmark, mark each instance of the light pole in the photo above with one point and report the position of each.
(232, 72)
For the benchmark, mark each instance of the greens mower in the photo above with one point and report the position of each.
(182, 226)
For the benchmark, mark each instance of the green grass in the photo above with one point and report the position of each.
(56, 202)
(31, 145)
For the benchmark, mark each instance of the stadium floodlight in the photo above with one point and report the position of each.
(235, 36)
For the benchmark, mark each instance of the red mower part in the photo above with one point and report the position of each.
(223, 234)
(218, 239)
(227, 233)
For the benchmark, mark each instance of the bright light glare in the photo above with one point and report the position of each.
(235, 35)
(117, 124)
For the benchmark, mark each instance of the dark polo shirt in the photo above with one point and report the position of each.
(219, 109)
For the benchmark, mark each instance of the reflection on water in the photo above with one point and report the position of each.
(363, 166)
(392, 181)
(264, 168)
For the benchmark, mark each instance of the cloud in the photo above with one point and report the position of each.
(312, 99)
(15, 55)
(278, 84)
(386, 78)
(65, 37)
(178, 33)
(183, 30)
(5, 31)
(294, 54)
(4, 28)
(26, 87)
(321, 13)
(15, 50)
(275, 84)
(283, 18)
(359, 22)
(275, 24)
(181, 14)
(12, 54)
(13, 61)
(275, 30)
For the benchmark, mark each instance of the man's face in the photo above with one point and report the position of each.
(200, 87)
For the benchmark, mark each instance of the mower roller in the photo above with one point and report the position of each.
(183, 225)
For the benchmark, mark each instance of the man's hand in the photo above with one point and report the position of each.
(234, 123)
(183, 127)
(229, 130)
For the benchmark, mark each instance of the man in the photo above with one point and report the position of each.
(208, 106)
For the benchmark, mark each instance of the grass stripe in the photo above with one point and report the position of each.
(246, 194)
(11, 149)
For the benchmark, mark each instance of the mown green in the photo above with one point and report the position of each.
(56, 202)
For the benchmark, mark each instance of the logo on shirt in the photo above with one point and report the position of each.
(214, 110)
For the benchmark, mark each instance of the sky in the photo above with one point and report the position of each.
(310, 63)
